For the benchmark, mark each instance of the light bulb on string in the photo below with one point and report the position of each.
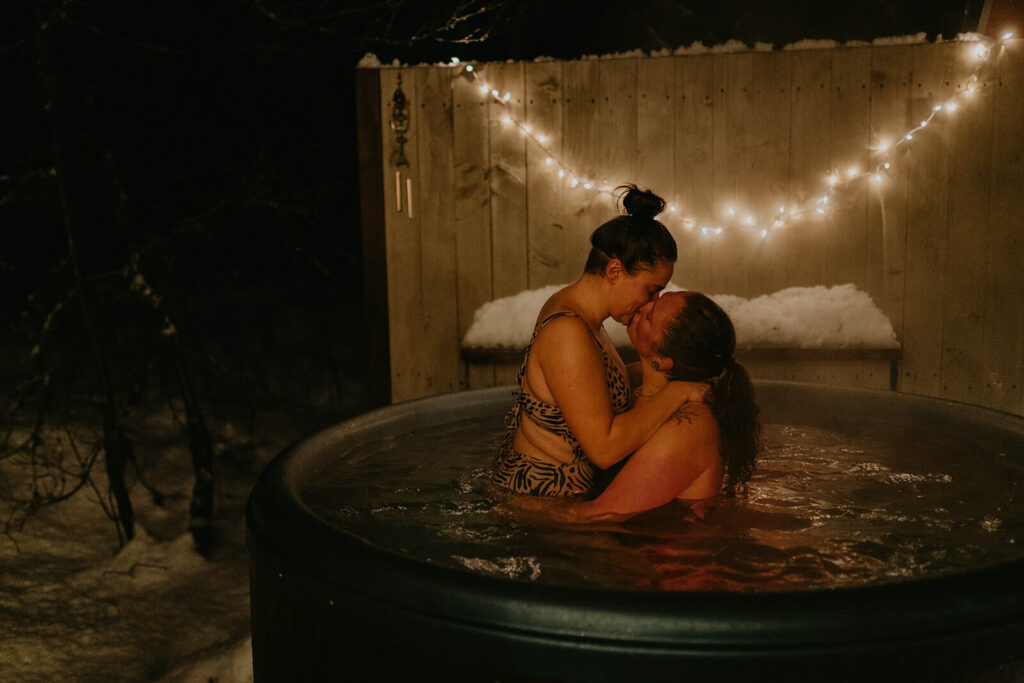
(836, 179)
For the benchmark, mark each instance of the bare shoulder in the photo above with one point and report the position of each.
(692, 416)
(687, 440)
(691, 426)
(564, 333)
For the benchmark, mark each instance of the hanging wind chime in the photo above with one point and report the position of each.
(400, 125)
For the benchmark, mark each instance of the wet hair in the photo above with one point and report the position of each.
(701, 341)
(637, 238)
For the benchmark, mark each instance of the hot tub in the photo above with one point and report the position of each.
(327, 605)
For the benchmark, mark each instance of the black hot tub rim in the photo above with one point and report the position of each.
(977, 609)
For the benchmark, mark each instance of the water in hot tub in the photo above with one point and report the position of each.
(823, 509)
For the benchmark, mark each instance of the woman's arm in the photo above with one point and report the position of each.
(573, 371)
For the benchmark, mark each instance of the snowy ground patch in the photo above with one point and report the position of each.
(75, 607)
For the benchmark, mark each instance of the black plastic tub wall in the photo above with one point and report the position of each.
(327, 606)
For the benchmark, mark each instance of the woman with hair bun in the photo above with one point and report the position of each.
(574, 410)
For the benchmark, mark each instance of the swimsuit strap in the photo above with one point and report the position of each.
(536, 331)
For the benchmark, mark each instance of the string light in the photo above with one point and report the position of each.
(980, 52)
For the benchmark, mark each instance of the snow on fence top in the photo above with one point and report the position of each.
(838, 317)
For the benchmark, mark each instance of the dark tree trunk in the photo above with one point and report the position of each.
(201, 446)
(117, 447)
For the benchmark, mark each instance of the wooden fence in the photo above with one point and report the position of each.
(938, 244)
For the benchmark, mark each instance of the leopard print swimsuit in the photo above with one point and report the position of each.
(526, 474)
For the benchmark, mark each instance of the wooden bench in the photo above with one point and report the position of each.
(866, 367)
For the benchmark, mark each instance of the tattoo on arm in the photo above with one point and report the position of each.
(683, 413)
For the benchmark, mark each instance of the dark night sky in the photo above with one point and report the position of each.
(214, 141)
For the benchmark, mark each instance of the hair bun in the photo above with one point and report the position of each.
(640, 203)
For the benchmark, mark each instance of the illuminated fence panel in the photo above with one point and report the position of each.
(897, 168)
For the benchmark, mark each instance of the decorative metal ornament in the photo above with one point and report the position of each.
(399, 124)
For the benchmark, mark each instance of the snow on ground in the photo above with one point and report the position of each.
(801, 317)
(73, 607)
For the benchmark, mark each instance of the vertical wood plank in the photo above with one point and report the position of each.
(545, 207)
(617, 145)
(581, 127)
(438, 348)
(373, 206)
(926, 227)
(509, 240)
(655, 95)
(1004, 294)
(809, 160)
(733, 140)
(849, 142)
(472, 220)
(767, 168)
(969, 131)
(600, 144)
(887, 207)
(403, 244)
(655, 142)
(694, 177)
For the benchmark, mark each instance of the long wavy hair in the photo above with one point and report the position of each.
(701, 341)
